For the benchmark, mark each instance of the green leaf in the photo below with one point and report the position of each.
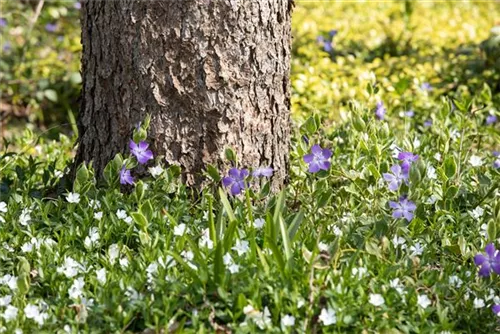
(226, 205)
(213, 173)
(276, 254)
(295, 225)
(492, 230)
(230, 155)
(219, 268)
(140, 220)
(450, 167)
(285, 240)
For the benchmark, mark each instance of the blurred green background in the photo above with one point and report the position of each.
(409, 49)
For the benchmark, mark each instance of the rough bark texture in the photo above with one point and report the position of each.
(212, 73)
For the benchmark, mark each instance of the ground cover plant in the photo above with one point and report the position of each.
(389, 223)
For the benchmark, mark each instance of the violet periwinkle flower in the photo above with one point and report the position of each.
(318, 159)
(333, 33)
(3, 22)
(410, 113)
(496, 309)
(6, 47)
(77, 5)
(407, 158)
(396, 178)
(263, 171)
(496, 153)
(403, 208)
(320, 39)
(496, 163)
(491, 119)
(51, 27)
(489, 262)
(380, 111)
(428, 123)
(425, 86)
(236, 180)
(141, 152)
(328, 47)
(126, 176)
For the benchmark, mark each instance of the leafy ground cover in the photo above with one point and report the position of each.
(389, 223)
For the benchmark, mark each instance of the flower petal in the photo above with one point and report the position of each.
(314, 167)
(394, 205)
(308, 158)
(479, 259)
(327, 153)
(143, 146)
(490, 250)
(227, 181)
(397, 213)
(235, 189)
(132, 145)
(485, 270)
(324, 165)
(408, 215)
(316, 150)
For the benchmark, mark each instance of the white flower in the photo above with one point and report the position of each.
(121, 214)
(475, 161)
(395, 284)
(455, 281)
(10, 313)
(248, 309)
(323, 247)
(58, 174)
(32, 312)
(70, 268)
(301, 302)
(416, 143)
(233, 268)
(478, 303)
(477, 213)
(454, 134)
(10, 281)
(205, 240)
(288, 320)
(187, 255)
(25, 218)
(399, 241)
(241, 247)
(423, 301)
(98, 215)
(155, 171)
(76, 290)
(337, 231)
(417, 249)
(113, 253)
(328, 317)
(124, 262)
(92, 238)
(376, 299)
(3, 207)
(395, 150)
(431, 173)
(180, 229)
(437, 156)
(259, 223)
(27, 247)
(4, 301)
(101, 275)
(95, 204)
(361, 271)
(263, 319)
(431, 200)
(227, 259)
(19, 330)
(128, 220)
(73, 198)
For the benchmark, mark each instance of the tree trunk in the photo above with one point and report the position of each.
(211, 73)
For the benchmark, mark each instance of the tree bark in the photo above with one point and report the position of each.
(211, 73)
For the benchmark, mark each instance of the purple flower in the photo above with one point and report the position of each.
(320, 39)
(318, 159)
(426, 87)
(77, 5)
(51, 27)
(263, 171)
(126, 176)
(235, 180)
(6, 47)
(496, 309)
(491, 119)
(490, 262)
(380, 111)
(496, 153)
(141, 152)
(333, 33)
(428, 123)
(327, 47)
(403, 208)
(3, 22)
(396, 178)
(410, 113)
(408, 158)
(496, 163)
